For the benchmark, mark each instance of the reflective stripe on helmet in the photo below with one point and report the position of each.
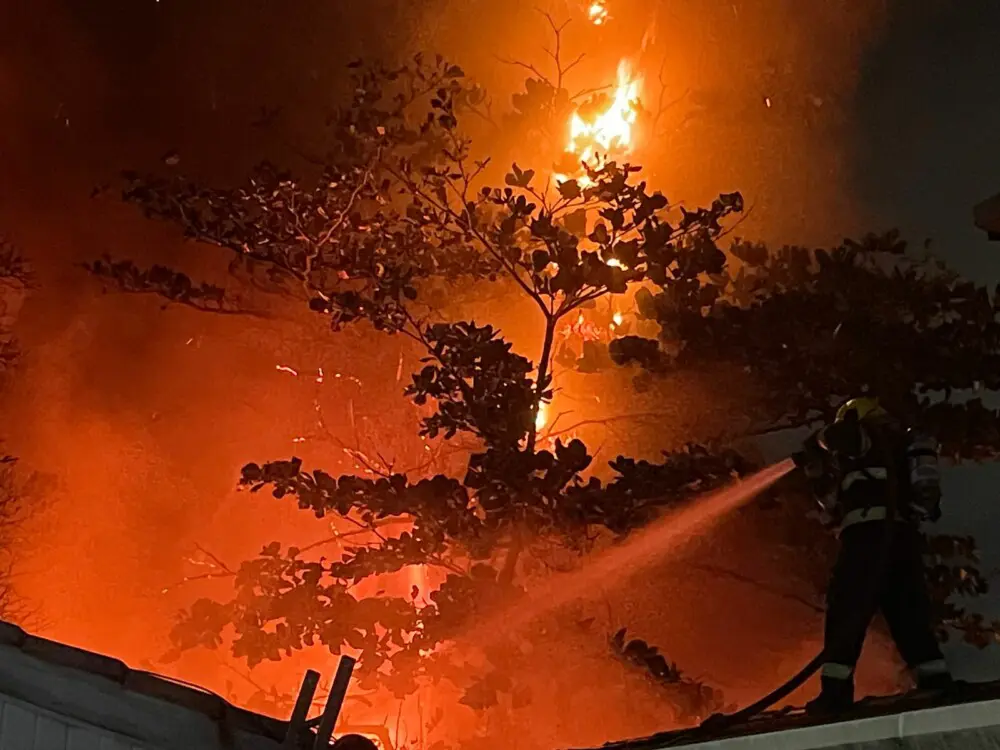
(864, 406)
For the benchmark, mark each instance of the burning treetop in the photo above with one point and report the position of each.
(602, 129)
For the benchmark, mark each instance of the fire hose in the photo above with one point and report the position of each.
(722, 722)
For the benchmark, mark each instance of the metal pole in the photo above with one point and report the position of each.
(334, 702)
(301, 709)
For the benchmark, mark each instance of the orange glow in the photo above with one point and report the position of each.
(595, 137)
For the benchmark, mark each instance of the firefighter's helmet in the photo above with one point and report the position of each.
(863, 407)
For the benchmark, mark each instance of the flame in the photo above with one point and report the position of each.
(581, 327)
(611, 130)
(597, 13)
(542, 415)
(607, 133)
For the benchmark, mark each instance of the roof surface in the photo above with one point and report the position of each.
(968, 718)
(96, 691)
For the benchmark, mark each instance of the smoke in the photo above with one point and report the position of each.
(144, 414)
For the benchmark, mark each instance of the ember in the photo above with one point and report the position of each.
(597, 13)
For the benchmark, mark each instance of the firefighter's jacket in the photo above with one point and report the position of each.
(848, 466)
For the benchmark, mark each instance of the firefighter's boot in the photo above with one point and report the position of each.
(935, 682)
(835, 696)
(933, 675)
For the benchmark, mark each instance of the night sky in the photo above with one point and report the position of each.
(928, 121)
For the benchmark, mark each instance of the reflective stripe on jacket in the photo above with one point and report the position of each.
(874, 472)
(860, 515)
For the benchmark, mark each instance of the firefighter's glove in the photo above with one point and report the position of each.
(844, 438)
(812, 459)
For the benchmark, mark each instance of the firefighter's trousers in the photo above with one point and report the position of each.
(901, 596)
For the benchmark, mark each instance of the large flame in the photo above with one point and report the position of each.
(594, 137)
(611, 130)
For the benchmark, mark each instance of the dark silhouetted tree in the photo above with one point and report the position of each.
(15, 279)
(400, 214)
(404, 214)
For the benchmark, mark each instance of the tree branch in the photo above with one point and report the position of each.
(606, 420)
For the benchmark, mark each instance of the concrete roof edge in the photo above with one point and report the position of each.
(940, 720)
(968, 706)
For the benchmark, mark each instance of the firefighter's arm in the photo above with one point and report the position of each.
(816, 463)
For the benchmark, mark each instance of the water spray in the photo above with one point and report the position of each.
(726, 722)
(663, 538)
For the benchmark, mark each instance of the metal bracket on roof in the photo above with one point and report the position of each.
(301, 710)
(334, 702)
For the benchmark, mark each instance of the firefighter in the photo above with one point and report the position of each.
(864, 469)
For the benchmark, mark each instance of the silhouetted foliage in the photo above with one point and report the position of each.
(819, 325)
(399, 210)
(15, 277)
(13, 510)
(402, 211)
(167, 283)
(13, 267)
(690, 697)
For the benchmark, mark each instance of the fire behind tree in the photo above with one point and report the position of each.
(602, 128)
(791, 317)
